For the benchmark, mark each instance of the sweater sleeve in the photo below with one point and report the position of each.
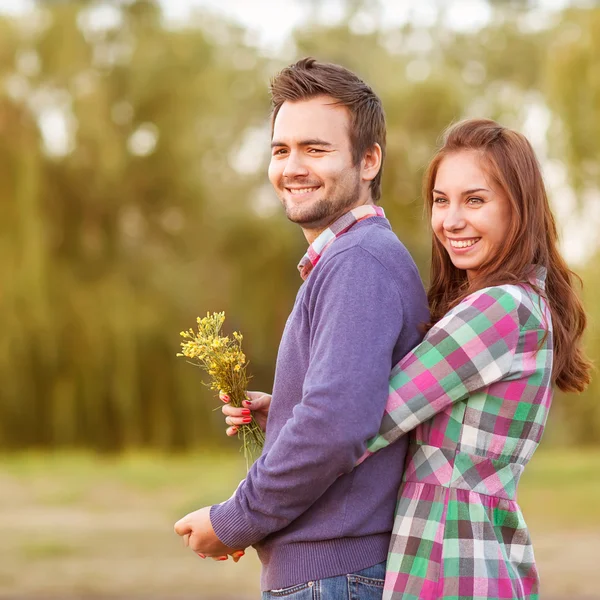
(355, 315)
(470, 348)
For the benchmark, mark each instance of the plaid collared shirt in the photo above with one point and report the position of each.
(326, 238)
(475, 396)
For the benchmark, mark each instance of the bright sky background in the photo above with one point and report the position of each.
(272, 20)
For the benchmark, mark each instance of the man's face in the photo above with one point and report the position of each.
(311, 165)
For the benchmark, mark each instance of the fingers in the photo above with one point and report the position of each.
(235, 417)
(237, 555)
(257, 401)
(182, 528)
(232, 411)
(237, 421)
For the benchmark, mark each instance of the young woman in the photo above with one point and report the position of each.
(505, 326)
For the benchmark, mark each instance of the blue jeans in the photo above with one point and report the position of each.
(362, 585)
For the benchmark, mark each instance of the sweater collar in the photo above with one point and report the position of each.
(334, 231)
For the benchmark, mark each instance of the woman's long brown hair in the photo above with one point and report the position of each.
(510, 162)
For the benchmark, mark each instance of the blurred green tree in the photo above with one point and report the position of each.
(114, 242)
(134, 194)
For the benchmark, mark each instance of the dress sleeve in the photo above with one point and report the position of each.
(470, 348)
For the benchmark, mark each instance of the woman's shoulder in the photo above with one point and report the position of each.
(520, 302)
(508, 294)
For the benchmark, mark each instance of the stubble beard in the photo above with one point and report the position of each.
(325, 211)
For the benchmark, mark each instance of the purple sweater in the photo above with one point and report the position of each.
(308, 512)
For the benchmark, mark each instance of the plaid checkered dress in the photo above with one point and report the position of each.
(475, 394)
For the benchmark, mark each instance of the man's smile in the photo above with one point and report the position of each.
(300, 191)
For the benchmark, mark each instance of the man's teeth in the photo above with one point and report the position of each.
(463, 243)
(300, 191)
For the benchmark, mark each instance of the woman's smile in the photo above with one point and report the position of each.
(462, 245)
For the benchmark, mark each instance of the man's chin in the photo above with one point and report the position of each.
(318, 214)
(299, 218)
(307, 217)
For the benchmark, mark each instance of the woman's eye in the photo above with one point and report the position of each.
(475, 200)
(439, 200)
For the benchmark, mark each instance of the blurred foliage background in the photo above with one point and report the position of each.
(134, 196)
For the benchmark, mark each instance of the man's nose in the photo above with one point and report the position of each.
(294, 166)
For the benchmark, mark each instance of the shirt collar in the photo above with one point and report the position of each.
(538, 276)
(334, 231)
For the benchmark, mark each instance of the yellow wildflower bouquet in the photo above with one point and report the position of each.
(225, 362)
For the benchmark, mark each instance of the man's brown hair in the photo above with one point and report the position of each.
(309, 78)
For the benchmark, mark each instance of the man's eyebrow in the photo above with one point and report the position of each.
(310, 142)
(314, 142)
(465, 193)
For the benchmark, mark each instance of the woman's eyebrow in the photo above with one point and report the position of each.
(465, 193)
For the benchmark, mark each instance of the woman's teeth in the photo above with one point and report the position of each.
(463, 243)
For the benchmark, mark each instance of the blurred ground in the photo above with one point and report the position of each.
(79, 527)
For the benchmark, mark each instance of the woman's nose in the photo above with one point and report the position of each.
(454, 219)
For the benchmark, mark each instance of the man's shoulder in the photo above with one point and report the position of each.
(374, 239)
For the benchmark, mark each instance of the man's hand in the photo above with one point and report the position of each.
(198, 534)
(257, 406)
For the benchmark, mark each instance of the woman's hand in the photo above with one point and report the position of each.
(256, 406)
(237, 555)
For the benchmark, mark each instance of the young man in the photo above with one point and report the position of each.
(315, 520)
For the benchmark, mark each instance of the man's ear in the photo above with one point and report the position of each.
(371, 163)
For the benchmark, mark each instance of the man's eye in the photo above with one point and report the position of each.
(279, 152)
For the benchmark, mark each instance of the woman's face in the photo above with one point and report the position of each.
(469, 216)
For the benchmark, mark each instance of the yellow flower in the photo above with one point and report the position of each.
(222, 357)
